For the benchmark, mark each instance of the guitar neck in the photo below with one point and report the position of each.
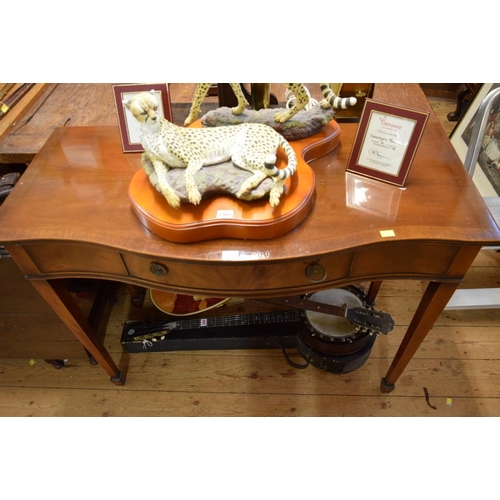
(238, 320)
(140, 328)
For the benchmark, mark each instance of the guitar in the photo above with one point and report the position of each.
(178, 304)
(156, 329)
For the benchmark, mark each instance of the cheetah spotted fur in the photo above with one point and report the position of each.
(251, 146)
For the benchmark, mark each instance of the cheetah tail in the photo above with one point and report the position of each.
(291, 167)
(334, 100)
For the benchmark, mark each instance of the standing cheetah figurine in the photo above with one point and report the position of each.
(200, 93)
(251, 146)
(330, 99)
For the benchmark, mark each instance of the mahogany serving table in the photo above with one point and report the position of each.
(70, 217)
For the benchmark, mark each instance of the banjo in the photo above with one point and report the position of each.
(340, 303)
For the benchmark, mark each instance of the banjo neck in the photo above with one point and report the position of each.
(306, 304)
(375, 321)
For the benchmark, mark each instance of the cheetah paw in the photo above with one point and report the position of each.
(238, 110)
(283, 116)
(274, 200)
(172, 199)
(325, 104)
(242, 193)
(190, 119)
(194, 197)
(274, 196)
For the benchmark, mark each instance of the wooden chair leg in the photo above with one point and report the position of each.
(373, 291)
(137, 294)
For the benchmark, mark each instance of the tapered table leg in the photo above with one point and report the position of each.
(63, 304)
(61, 301)
(432, 304)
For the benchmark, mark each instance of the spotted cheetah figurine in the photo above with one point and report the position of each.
(200, 93)
(251, 146)
(330, 99)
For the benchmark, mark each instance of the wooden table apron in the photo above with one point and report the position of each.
(70, 217)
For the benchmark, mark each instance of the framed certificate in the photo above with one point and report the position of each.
(386, 142)
(129, 128)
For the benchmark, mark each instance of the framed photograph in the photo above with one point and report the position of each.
(386, 142)
(129, 127)
(487, 171)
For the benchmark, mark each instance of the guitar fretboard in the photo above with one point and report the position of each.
(290, 316)
(260, 318)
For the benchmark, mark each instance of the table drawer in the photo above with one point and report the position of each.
(69, 259)
(238, 278)
(405, 259)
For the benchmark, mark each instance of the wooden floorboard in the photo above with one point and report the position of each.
(458, 365)
(56, 402)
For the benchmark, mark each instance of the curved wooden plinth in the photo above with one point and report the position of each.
(228, 217)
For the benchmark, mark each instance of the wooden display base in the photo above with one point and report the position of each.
(228, 217)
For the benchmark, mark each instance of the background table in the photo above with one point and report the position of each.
(55, 105)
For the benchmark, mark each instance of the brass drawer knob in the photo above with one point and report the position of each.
(158, 269)
(316, 273)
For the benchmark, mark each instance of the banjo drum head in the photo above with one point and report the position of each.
(328, 326)
(332, 343)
